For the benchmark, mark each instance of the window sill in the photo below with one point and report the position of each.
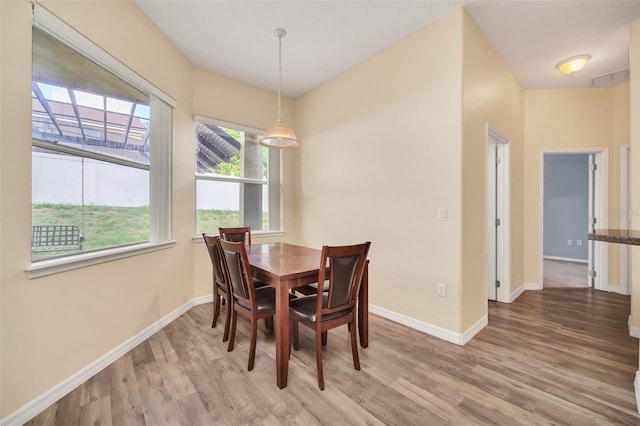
(55, 266)
(254, 235)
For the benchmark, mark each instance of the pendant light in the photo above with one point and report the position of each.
(280, 135)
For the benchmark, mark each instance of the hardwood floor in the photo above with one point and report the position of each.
(557, 356)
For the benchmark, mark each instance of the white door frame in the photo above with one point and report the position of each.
(498, 258)
(625, 218)
(600, 203)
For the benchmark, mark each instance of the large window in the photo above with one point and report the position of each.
(237, 179)
(101, 146)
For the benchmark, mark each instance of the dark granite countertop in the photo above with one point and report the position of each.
(619, 236)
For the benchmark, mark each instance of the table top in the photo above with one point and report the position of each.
(284, 262)
(619, 236)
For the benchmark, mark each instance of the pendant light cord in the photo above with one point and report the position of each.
(279, 74)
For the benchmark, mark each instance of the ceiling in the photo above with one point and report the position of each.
(325, 38)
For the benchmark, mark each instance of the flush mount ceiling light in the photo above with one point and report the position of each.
(573, 64)
(279, 135)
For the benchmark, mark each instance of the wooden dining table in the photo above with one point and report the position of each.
(285, 267)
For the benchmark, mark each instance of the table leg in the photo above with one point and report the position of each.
(363, 308)
(283, 338)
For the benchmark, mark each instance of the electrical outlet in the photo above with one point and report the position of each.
(579, 242)
(442, 289)
(569, 242)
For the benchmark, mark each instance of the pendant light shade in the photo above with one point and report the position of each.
(280, 135)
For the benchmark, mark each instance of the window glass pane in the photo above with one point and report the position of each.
(54, 93)
(229, 152)
(217, 205)
(89, 100)
(77, 103)
(93, 195)
(233, 158)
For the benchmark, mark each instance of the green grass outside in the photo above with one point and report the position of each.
(105, 226)
(101, 226)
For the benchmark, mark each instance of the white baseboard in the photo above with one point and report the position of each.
(474, 329)
(517, 293)
(566, 259)
(633, 330)
(636, 385)
(617, 288)
(532, 286)
(439, 332)
(41, 403)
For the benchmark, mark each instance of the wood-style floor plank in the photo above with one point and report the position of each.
(559, 356)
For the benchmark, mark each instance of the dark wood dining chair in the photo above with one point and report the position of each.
(241, 233)
(248, 301)
(343, 267)
(220, 284)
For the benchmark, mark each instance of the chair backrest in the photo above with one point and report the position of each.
(211, 243)
(237, 270)
(343, 266)
(242, 233)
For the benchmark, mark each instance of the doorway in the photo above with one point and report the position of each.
(498, 216)
(573, 200)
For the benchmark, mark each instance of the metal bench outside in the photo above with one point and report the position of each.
(45, 238)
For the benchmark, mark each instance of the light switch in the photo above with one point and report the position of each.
(442, 213)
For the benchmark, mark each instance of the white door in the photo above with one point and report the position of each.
(498, 217)
(597, 249)
(492, 218)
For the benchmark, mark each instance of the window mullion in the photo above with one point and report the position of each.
(53, 146)
(221, 178)
(160, 228)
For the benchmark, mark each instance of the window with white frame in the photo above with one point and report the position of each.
(237, 179)
(101, 148)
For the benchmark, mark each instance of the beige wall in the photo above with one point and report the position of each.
(53, 327)
(491, 94)
(572, 118)
(381, 151)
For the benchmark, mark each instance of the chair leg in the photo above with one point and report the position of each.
(354, 347)
(319, 360)
(227, 322)
(324, 338)
(232, 338)
(216, 309)
(270, 325)
(294, 333)
(252, 349)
